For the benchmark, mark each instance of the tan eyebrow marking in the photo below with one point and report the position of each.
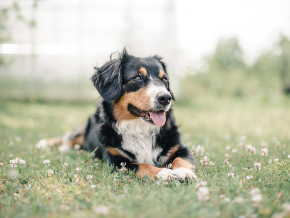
(143, 71)
(161, 74)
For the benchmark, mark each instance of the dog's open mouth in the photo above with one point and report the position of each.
(156, 117)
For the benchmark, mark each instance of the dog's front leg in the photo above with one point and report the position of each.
(119, 159)
(182, 162)
(153, 172)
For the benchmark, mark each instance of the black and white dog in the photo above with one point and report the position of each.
(134, 123)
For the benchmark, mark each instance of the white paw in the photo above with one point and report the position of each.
(42, 144)
(166, 174)
(184, 173)
(64, 148)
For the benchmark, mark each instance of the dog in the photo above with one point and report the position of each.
(134, 124)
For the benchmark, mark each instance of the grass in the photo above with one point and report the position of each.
(30, 191)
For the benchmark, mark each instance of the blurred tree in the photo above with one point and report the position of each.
(228, 55)
(227, 73)
(8, 10)
(284, 62)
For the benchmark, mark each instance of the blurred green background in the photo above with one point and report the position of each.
(30, 71)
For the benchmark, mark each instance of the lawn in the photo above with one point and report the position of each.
(235, 180)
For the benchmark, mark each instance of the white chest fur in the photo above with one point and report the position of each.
(139, 138)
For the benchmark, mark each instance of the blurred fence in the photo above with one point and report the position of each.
(55, 59)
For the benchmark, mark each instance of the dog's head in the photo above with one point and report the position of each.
(137, 87)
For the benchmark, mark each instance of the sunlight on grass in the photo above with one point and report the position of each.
(242, 151)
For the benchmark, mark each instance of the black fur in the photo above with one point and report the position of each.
(113, 80)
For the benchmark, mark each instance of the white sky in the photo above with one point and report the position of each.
(92, 30)
(257, 24)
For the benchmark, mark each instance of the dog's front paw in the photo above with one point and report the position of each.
(184, 173)
(166, 174)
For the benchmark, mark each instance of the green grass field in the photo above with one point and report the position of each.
(225, 127)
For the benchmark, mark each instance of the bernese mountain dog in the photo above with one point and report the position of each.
(134, 124)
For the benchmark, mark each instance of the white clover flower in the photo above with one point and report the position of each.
(222, 196)
(16, 195)
(200, 184)
(78, 169)
(286, 208)
(264, 152)
(22, 162)
(64, 165)
(123, 168)
(243, 138)
(258, 166)
(276, 159)
(249, 177)
(89, 178)
(49, 172)
(257, 199)
(76, 178)
(200, 149)
(226, 161)
(251, 149)
(204, 160)
(48, 195)
(93, 186)
(255, 191)
(193, 150)
(227, 155)
(1, 164)
(234, 150)
(227, 199)
(239, 200)
(211, 163)
(104, 210)
(288, 156)
(18, 138)
(280, 195)
(228, 148)
(231, 175)
(256, 196)
(203, 193)
(14, 161)
(46, 162)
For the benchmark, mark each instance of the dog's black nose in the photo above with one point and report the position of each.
(164, 98)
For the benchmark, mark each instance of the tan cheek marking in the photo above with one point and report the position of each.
(147, 170)
(179, 162)
(161, 74)
(113, 151)
(143, 71)
(139, 99)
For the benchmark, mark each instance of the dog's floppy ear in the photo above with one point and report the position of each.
(158, 58)
(108, 78)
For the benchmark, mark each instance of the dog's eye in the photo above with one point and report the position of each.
(138, 78)
(164, 79)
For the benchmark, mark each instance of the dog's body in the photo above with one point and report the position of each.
(134, 123)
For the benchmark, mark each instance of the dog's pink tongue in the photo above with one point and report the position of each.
(158, 118)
